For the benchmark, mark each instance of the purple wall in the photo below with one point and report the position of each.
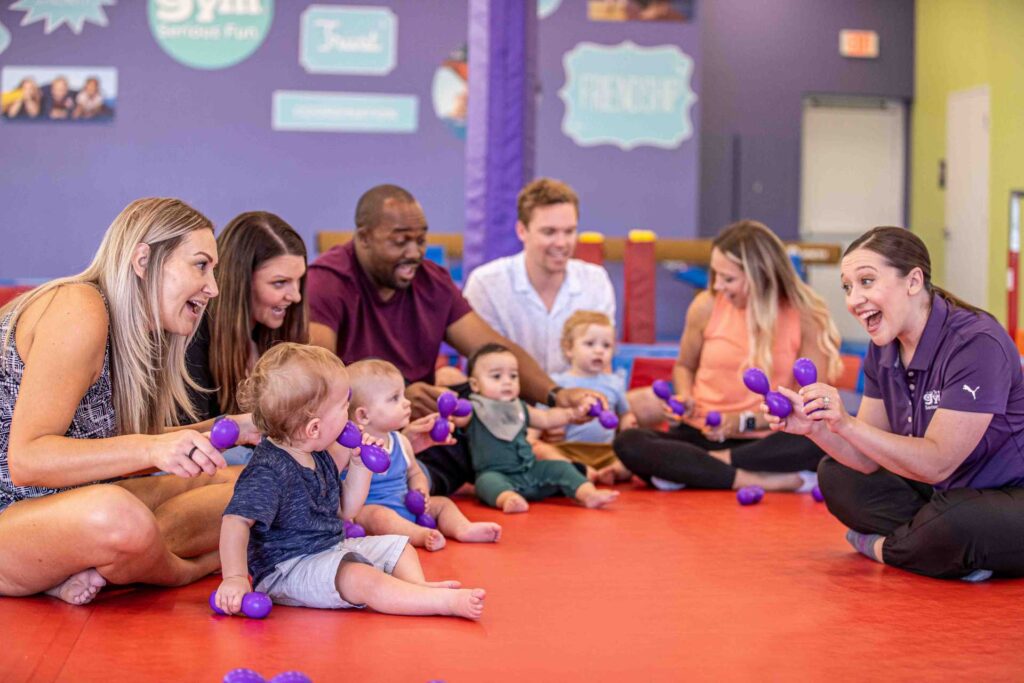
(646, 187)
(205, 136)
(760, 57)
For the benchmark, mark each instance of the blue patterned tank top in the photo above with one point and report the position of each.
(388, 488)
(94, 418)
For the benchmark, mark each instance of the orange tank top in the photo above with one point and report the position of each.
(718, 383)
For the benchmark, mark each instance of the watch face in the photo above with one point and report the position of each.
(751, 424)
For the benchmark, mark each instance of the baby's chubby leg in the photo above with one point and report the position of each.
(452, 522)
(590, 496)
(380, 521)
(359, 584)
(497, 490)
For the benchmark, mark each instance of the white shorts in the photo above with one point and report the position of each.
(308, 580)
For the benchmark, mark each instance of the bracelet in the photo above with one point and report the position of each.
(552, 398)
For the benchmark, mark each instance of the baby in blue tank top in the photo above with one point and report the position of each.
(380, 407)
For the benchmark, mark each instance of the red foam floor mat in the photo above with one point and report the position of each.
(660, 587)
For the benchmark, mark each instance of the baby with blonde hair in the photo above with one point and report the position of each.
(380, 408)
(284, 522)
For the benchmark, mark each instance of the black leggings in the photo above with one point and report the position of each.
(681, 455)
(943, 534)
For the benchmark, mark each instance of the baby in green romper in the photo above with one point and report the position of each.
(507, 473)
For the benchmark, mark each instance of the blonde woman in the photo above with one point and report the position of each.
(92, 374)
(759, 314)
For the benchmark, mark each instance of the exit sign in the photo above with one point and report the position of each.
(858, 44)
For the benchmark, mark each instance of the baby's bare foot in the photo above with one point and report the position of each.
(80, 588)
(480, 532)
(443, 584)
(467, 603)
(598, 498)
(433, 540)
(512, 502)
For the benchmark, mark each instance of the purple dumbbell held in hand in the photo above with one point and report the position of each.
(375, 458)
(663, 390)
(243, 676)
(224, 433)
(713, 419)
(417, 505)
(607, 418)
(447, 403)
(255, 605)
(750, 495)
(757, 381)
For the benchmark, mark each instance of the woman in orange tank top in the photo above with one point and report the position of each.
(759, 314)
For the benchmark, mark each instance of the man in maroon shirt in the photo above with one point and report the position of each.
(376, 297)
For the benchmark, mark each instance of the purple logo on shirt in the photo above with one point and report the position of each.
(931, 399)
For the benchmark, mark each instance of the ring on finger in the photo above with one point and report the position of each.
(826, 400)
(194, 449)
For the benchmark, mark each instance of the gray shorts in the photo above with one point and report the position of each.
(308, 580)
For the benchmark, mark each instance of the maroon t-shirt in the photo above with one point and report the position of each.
(406, 330)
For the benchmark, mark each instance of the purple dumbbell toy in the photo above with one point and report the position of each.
(750, 495)
(291, 677)
(353, 530)
(350, 436)
(757, 381)
(243, 676)
(607, 418)
(375, 458)
(255, 605)
(817, 495)
(447, 402)
(663, 390)
(224, 433)
(463, 408)
(713, 418)
(417, 505)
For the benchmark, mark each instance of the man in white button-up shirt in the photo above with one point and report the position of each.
(528, 297)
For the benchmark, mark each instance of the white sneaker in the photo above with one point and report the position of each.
(810, 480)
(666, 485)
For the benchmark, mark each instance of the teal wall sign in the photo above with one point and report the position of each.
(53, 13)
(545, 8)
(348, 40)
(338, 112)
(627, 95)
(210, 35)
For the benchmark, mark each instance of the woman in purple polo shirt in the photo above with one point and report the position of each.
(929, 476)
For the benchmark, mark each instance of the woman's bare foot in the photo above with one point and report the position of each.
(443, 584)
(596, 498)
(80, 588)
(479, 532)
(431, 539)
(613, 474)
(467, 603)
(511, 502)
